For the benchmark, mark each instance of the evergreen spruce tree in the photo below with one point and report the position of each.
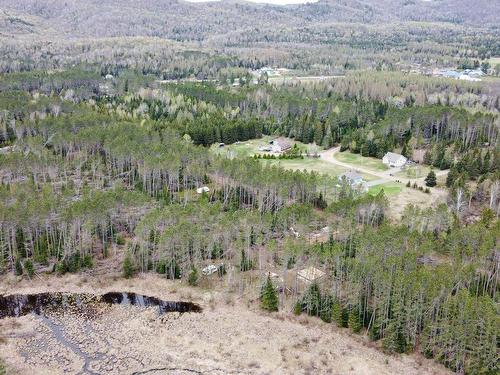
(338, 314)
(128, 267)
(312, 300)
(394, 341)
(269, 297)
(353, 321)
(430, 180)
(193, 277)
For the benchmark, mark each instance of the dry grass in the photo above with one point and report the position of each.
(227, 337)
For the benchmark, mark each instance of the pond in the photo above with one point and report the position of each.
(16, 305)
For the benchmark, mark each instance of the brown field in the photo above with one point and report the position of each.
(230, 336)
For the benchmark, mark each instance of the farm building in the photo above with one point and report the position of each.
(394, 160)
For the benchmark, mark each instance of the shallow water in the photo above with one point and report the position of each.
(16, 305)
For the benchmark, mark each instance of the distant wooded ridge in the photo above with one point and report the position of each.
(199, 21)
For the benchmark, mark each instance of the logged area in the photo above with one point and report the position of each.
(232, 187)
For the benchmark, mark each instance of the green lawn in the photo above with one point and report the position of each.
(308, 164)
(390, 188)
(414, 171)
(251, 147)
(356, 159)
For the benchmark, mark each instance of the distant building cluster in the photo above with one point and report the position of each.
(473, 75)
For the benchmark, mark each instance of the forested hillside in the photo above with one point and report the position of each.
(169, 18)
(332, 163)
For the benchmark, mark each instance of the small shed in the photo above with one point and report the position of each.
(310, 274)
(204, 189)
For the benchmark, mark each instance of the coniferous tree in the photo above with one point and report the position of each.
(430, 180)
(128, 267)
(269, 297)
(354, 321)
(18, 267)
(339, 315)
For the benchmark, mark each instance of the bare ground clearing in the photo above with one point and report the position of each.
(230, 336)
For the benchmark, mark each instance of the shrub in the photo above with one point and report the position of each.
(60, 268)
(297, 308)
(18, 267)
(3, 371)
(88, 261)
(28, 267)
(120, 240)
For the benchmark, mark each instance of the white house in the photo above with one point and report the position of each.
(394, 160)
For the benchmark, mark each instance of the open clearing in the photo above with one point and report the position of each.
(308, 164)
(251, 147)
(333, 163)
(230, 336)
(361, 161)
(390, 189)
(413, 172)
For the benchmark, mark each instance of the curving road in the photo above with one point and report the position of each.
(384, 176)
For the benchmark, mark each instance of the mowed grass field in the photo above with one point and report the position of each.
(251, 147)
(308, 164)
(390, 189)
(361, 161)
(414, 171)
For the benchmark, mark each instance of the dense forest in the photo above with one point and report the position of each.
(89, 165)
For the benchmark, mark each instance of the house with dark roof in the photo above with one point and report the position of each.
(352, 177)
(280, 145)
